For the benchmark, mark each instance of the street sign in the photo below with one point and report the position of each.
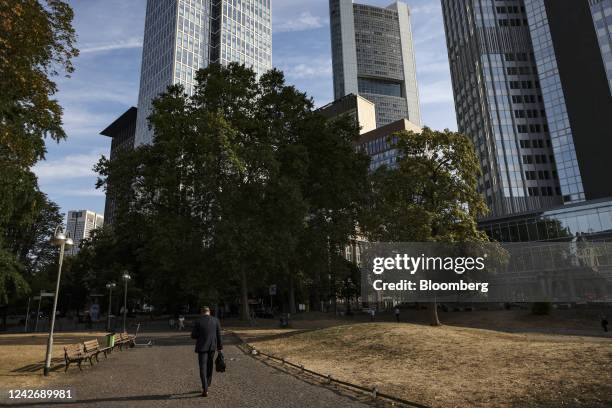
(47, 294)
(272, 290)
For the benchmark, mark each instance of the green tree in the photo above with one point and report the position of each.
(36, 44)
(429, 196)
(234, 180)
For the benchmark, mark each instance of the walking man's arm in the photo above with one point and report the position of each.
(194, 331)
(219, 343)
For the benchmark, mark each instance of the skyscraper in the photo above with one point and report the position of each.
(122, 132)
(373, 56)
(182, 36)
(533, 97)
(601, 11)
(80, 224)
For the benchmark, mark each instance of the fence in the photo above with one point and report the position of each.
(372, 391)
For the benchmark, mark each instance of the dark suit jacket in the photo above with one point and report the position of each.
(207, 333)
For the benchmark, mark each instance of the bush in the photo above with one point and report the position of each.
(541, 308)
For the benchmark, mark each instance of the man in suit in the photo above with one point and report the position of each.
(207, 333)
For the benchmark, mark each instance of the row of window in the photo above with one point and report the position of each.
(543, 191)
(538, 159)
(533, 143)
(533, 128)
(538, 175)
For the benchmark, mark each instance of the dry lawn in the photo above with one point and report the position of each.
(453, 366)
(22, 357)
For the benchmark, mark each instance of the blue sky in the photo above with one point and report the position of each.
(106, 79)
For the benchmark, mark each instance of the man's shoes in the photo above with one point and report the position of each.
(204, 394)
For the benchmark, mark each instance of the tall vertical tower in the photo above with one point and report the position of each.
(182, 36)
(528, 91)
(373, 56)
(601, 10)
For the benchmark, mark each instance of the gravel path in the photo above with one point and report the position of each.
(166, 375)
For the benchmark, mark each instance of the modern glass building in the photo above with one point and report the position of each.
(591, 220)
(602, 18)
(182, 36)
(529, 93)
(373, 56)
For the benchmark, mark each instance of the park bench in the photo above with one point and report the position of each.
(128, 339)
(122, 339)
(93, 347)
(75, 353)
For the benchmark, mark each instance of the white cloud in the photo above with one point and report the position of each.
(436, 92)
(112, 46)
(305, 21)
(69, 167)
(314, 68)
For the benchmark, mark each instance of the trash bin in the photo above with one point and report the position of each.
(110, 340)
(284, 320)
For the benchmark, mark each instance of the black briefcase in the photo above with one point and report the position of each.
(220, 363)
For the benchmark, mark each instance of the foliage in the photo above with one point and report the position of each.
(240, 175)
(430, 195)
(36, 43)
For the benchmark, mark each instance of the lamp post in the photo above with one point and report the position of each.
(63, 241)
(126, 277)
(110, 286)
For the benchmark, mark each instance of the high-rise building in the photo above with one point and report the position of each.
(182, 36)
(601, 10)
(361, 111)
(122, 132)
(80, 224)
(533, 97)
(373, 56)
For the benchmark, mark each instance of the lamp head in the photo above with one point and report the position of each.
(59, 237)
(110, 285)
(126, 276)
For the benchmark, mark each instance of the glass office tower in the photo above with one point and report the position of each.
(528, 91)
(602, 18)
(182, 36)
(373, 56)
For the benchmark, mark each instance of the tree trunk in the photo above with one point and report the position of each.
(292, 308)
(433, 313)
(244, 310)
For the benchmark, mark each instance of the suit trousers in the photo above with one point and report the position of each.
(206, 361)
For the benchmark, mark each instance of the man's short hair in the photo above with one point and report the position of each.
(205, 309)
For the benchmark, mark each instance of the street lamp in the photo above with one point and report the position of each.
(63, 241)
(110, 286)
(126, 277)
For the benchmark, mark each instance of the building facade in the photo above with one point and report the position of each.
(183, 36)
(122, 132)
(528, 91)
(79, 226)
(373, 56)
(361, 111)
(601, 10)
(379, 143)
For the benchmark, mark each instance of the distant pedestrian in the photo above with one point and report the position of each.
(207, 333)
(181, 322)
(372, 314)
(397, 314)
(171, 323)
(604, 323)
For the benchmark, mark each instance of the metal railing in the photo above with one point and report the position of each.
(373, 391)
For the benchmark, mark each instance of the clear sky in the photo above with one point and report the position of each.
(106, 79)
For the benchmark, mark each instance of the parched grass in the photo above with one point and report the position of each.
(457, 367)
(22, 357)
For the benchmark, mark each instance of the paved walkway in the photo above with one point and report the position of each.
(166, 375)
